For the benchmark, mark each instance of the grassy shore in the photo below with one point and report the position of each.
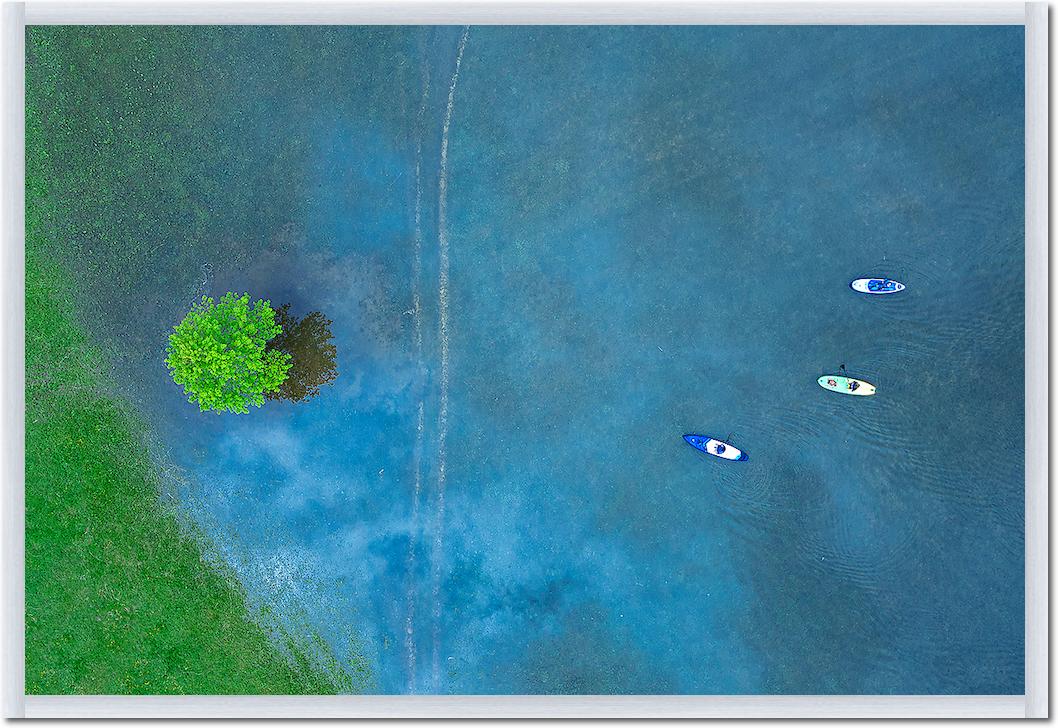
(119, 599)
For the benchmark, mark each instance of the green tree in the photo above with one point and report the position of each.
(307, 341)
(218, 354)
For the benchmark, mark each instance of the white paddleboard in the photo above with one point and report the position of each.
(877, 286)
(846, 385)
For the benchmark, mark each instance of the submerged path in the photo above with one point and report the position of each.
(410, 648)
(442, 327)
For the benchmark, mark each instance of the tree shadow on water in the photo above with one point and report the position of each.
(308, 341)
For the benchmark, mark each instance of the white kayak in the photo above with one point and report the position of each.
(877, 286)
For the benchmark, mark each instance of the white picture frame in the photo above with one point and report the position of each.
(1033, 704)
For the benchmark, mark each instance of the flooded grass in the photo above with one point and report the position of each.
(123, 596)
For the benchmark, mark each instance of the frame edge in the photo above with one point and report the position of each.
(535, 707)
(12, 323)
(12, 320)
(521, 12)
(1037, 395)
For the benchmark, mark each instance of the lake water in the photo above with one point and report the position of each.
(548, 253)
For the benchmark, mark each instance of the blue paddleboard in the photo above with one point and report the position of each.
(715, 447)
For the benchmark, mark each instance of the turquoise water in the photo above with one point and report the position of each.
(548, 253)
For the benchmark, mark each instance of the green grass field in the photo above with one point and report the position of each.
(119, 599)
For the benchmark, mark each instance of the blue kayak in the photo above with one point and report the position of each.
(716, 448)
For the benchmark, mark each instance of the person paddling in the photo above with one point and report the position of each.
(852, 384)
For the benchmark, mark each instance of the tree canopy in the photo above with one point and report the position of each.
(219, 354)
(307, 343)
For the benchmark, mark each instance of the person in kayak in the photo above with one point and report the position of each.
(720, 448)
